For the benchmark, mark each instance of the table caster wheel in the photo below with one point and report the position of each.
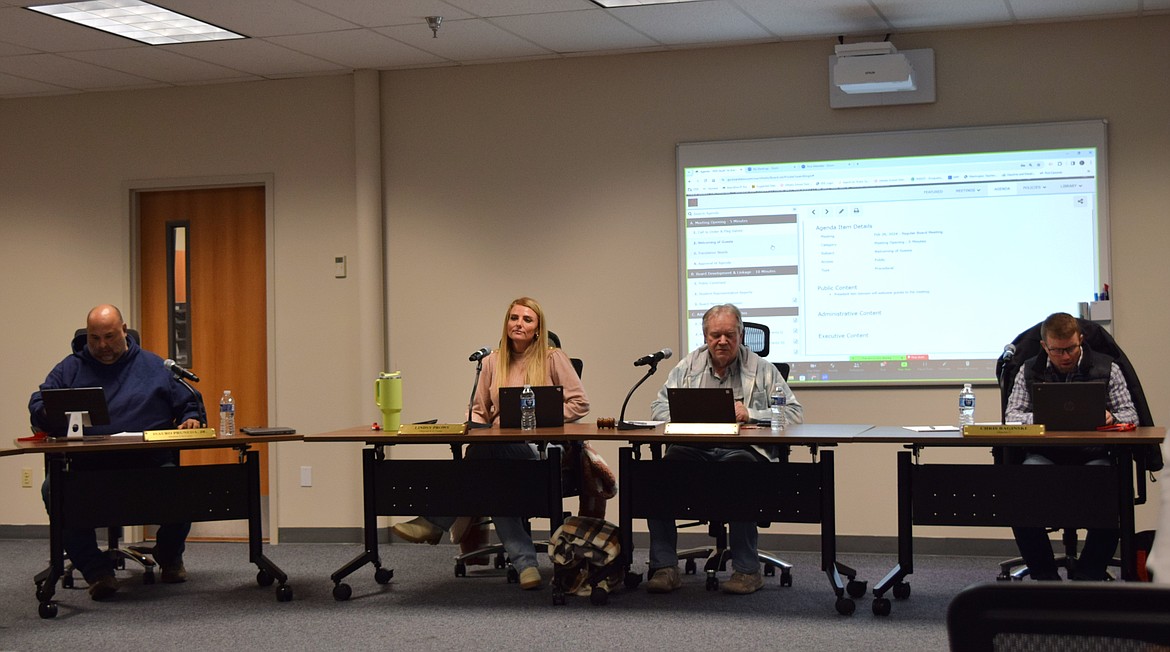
(284, 593)
(558, 597)
(881, 606)
(499, 562)
(383, 575)
(513, 575)
(148, 577)
(67, 581)
(769, 570)
(846, 606)
(264, 578)
(712, 581)
(855, 588)
(460, 569)
(342, 592)
(690, 568)
(598, 596)
(786, 578)
(901, 590)
(47, 609)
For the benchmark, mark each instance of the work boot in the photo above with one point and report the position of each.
(664, 580)
(743, 583)
(103, 587)
(418, 530)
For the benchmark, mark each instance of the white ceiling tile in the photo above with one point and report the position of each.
(692, 22)
(267, 18)
(58, 70)
(516, 7)
(384, 13)
(257, 57)
(916, 14)
(357, 48)
(465, 41)
(1071, 9)
(792, 19)
(575, 31)
(157, 64)
(17, 87)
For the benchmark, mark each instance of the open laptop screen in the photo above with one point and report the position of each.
(1069, 406)
(701, 404)
(550, 406)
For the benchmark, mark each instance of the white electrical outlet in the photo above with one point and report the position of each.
(26, 478)
(306, 476)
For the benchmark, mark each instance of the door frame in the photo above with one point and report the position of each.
(130, 193)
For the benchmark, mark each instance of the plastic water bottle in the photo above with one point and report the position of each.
(966, 405)
(527, 408)
(227, 414)
(777, 403)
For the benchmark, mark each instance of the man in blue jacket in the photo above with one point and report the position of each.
(142, 394)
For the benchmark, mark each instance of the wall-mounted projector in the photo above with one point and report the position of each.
(872, 68)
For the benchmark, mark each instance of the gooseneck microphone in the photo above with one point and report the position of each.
(178, 371)
(479, 355)
(653, 357)
(650, 361)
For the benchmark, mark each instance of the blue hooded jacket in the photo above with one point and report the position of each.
(141, 393)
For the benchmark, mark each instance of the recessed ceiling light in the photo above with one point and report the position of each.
(137, 20)
(612, 4)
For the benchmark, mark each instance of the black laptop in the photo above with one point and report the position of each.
(701, 404)
(550, 406)
(1069, 406)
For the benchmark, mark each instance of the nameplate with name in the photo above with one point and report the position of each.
(1014, 429)
(432, 429)
(701, 429)
(178, 434)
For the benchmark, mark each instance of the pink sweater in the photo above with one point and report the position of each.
(560, 372)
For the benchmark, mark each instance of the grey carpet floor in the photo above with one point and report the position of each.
(425, 607)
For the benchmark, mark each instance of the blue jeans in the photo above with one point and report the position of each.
(743, 536)
(1036, 549)
(510, 529)
(82, 548)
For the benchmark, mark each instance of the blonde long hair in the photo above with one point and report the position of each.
(537, 370)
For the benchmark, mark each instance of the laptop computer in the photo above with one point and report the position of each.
(701, 404)
(1069, 406)
(550, 406)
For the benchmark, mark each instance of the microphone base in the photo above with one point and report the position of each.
(472, 425)
(626, 425)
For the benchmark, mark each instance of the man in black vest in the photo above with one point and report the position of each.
(1066, 359)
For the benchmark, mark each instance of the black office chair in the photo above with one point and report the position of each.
(757, 338)
(1027, 346)
(1059, 616)
(571, 472)
(117, 554)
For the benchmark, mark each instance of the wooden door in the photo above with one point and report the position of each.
(204, 298)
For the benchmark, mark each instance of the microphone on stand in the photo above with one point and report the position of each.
(476, 357)
(651, 361)
(178, 371)
(664, 354)
(1009, 352)
(182, 375)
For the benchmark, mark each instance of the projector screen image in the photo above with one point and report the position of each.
(894, 258)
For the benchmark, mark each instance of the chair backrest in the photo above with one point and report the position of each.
(130, 332)
(1099, 340)
(756, 337)
(1056, 615)
(578, 364)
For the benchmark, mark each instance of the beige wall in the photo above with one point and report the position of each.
(553, 179)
